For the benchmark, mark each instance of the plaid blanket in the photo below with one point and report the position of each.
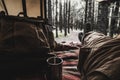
(70, 61)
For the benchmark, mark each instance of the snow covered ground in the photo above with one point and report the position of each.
(72, 37)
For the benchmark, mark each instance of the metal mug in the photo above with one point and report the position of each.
(54, 71)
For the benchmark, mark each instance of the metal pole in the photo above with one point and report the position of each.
(24, 7)
(5, 7)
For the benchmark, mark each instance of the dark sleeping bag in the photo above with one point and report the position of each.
(103, 61)
(23, 46)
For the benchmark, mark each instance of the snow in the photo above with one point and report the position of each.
(72, 37)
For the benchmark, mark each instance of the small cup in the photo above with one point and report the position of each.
(54, 71)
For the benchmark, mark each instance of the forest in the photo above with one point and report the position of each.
(67, 15)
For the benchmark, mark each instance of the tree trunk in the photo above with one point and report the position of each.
(56, 19)
(86, 9)
(49, 12)
(53, 17)
(60, 17)
(115, 12)
(65, 20)
(103, 17)
(69, 17)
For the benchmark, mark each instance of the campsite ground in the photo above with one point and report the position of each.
(72, 37)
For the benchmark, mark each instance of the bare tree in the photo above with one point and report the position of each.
(53, 12)
(115, 13)
(65, 19)
(69, 16)
(60, 17)
(103, 17)
(56, 19)
(49, 12)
